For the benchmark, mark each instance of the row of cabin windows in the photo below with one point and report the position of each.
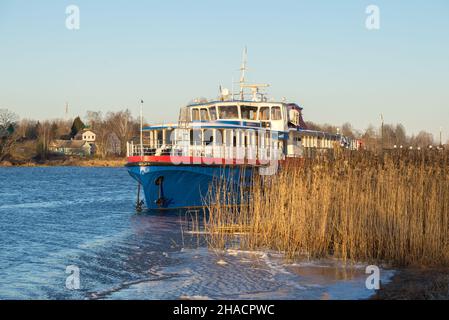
(232, 112)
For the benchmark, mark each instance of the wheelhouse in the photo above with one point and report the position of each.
(247, 111)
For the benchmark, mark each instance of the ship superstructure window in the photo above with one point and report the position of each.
(276, 113)
(204, 114)
(195, 114)
(184, 115)
(228, 112)
(264, 113)
(213, 113)
(248, 112)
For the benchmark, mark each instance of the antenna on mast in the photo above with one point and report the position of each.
(255, 88)
(243, 71)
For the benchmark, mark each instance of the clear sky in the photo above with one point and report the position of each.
(316, 53)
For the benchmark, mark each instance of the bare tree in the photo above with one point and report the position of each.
(63, 128)
(102, 130)
(347, 130)
(8, 132)
(45, 134)
(423, 140)
(312, 126)
(370, 138)
(124, 127)
(401, 136)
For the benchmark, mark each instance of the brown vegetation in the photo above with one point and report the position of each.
(67, 162)
(354, 206)
(416, 284)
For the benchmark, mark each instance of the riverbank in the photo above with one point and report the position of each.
(416, 284)
(67, 163)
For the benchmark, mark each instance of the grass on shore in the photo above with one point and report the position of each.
(68, 162)
(353, 206)
(416, 284)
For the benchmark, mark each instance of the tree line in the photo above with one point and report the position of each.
(388, 136)
(112, 129)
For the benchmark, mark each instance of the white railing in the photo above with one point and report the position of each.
(206, 151)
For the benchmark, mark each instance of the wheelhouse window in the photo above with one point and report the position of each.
(195, 114)
(276, 113)
(204, 114)
(248, 112)
(264, 113)
(184, 115)
(228, 112)
(213, 113)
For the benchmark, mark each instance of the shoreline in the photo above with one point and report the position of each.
(416, 283)
(111, 163)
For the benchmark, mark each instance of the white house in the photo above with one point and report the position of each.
(86, 135)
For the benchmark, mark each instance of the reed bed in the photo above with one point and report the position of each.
(391, 208)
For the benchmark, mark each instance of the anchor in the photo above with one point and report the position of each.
(161, 200)
(139, 203)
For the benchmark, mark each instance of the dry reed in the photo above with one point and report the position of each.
(352, 206)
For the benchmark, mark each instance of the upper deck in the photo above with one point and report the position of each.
(277, 116)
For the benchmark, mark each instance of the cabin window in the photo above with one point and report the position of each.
(264, 113)
(213, 113)
(184, 115)
(276, 113)
(204, 114)
(208, 137)
(248, 113)
(195, 115)
(228, 112)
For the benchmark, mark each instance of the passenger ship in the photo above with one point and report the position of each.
(231, 137)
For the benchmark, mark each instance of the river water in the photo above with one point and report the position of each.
(83, 218)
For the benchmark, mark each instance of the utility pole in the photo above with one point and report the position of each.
(441, 136)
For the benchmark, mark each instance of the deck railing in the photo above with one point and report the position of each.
(206, 151)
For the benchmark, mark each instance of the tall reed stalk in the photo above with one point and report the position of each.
(353, 206)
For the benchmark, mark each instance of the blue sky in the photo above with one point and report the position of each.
(316, 53)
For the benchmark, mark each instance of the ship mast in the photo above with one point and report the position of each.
(243, 72)
(255, 88)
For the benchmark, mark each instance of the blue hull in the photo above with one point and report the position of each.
(175, 187)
